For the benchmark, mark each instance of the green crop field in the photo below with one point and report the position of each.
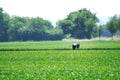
(55, 60)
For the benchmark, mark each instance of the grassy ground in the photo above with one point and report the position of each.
(59, 44)
(55, 60)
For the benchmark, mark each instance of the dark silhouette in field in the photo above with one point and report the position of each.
(75, 46)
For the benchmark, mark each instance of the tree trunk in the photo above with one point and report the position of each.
(112, 36)
(99, 36)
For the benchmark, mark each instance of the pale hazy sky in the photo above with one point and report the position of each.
(54, 10)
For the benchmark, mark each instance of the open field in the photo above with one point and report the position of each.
(58, 45)
(55, 60)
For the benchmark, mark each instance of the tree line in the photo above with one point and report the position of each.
(17, 28)
(81, 24)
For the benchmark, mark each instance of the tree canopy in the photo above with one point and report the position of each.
(24, 28)
(17, 28)
(4, 19)
(80, 24)
(113, 25)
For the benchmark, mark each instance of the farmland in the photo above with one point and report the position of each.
(55, 60)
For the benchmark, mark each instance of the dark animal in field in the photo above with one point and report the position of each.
(75, 46)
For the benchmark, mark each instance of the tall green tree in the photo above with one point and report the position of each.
(4, 19)
(24, 28)
(66, 25)
(38, 28)
(85, 23)
(112, 25)
(15, 25)
(80, 24)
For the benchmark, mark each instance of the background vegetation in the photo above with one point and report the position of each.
(81, 24)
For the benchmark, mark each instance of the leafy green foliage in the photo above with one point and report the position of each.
(4, 18)
(113, 25)
(17, 28)
(80, 24)
(23, 29)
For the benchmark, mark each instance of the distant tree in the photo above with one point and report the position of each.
(15, 26)
(4, 19)
(48, 24)
(66, 25)
(38, 28)
(24, 28)
(112, 25)
(80, 24)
